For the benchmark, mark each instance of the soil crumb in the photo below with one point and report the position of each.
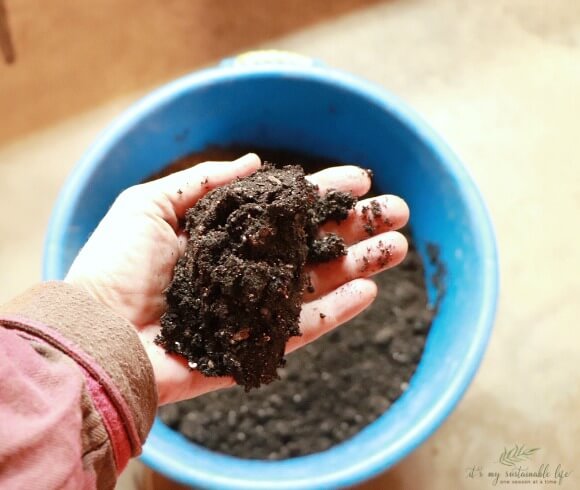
(236, 295)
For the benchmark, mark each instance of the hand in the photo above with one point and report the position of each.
(128, 262)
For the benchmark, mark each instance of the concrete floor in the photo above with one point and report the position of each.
(499, 79)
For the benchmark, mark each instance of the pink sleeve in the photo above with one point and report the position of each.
(40, 419)
(77, 391)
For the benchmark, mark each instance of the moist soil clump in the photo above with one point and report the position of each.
(236, 295)
(330, 389)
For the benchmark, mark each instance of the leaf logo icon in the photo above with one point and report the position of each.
(517, 454)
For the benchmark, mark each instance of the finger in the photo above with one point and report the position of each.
(175, 380)
(370, 217)
(363, 259)
(178, 192)
(346, 178)
(333, 309)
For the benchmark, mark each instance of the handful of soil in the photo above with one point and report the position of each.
(236, 295)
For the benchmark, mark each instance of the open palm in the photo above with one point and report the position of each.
(128, 262)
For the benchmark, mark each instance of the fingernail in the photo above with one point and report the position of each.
(248, 158)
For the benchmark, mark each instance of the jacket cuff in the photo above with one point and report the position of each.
(105, 345)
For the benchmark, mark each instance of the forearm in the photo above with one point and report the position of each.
(78, 383)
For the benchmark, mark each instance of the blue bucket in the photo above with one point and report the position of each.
(277, 100)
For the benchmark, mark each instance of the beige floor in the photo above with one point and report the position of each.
(499, 79)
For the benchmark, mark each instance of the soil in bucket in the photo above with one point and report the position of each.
(332, 388)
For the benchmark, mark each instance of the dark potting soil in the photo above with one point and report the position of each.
(236, 294)
(330, 389)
